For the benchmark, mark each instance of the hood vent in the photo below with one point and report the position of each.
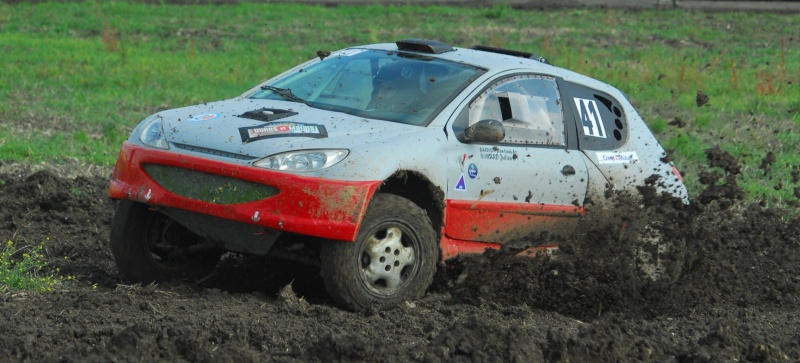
(221, 153)
(267, 114)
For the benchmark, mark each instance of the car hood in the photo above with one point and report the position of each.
(257, 128)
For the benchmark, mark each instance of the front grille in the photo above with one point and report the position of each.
(208, 187)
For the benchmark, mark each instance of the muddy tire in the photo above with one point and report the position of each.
(657, 253)
(150, 247)
(393, 258)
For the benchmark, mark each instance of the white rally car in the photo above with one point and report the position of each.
(377, 162)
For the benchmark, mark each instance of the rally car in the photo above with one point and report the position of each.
(377, 162)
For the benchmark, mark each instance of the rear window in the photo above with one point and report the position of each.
(601, 120)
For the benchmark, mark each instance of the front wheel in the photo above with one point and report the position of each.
(393, 258)
(150, 247)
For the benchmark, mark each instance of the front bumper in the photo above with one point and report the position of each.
(300, 204)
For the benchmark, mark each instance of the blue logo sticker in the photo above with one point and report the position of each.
(204, 117)
(472, 171)
(461, 185)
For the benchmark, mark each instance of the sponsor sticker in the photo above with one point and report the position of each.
(204, 117)
(611, 157)
(282, 129)
(472, 171)
(462, 184)
(495, 153)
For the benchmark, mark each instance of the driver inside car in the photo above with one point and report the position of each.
(396, 87)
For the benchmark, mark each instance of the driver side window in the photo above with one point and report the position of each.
(528, 106)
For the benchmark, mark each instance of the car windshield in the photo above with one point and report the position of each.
(392, 86)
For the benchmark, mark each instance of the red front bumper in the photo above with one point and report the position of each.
(305, 205)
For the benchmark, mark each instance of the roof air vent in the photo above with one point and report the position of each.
(514, 53)
(423, 46)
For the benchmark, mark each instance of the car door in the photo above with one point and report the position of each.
(531, 181)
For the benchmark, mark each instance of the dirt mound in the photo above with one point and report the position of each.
(738, 258)
(742, 255)
(736, 298)
(71, 215)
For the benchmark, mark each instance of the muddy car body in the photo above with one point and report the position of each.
(377, 162)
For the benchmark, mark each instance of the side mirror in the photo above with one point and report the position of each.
(488, 131)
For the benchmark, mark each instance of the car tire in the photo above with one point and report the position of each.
(657, 253)
(150, 247)
(392, 260)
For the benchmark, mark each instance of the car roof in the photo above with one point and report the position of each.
(492, 61)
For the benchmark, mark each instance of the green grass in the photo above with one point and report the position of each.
(26, 270)
(75, 78)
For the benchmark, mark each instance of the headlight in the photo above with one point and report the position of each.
(153, 133)
(299, 161)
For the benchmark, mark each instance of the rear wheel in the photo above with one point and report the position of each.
(150, 247)
(393, 258)
(657, 254)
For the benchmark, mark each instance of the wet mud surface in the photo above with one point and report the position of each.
(737, 297)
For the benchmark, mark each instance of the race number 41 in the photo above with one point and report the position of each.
(590, 118)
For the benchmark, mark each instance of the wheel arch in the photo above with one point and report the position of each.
(420, 190)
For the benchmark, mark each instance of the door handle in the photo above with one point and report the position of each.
(568, 170)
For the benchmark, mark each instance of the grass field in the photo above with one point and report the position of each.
(75, 78)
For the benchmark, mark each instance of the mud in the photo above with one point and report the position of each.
(736, 298)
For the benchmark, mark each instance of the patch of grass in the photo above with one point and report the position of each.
(25, 269)
(498, 10)
(60, 146)
(76, 190)
(127, 60)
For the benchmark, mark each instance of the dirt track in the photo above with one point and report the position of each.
(737, 300)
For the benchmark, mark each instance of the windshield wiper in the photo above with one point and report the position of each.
(285, 93)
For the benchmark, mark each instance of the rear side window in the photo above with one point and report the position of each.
(529, 107)
(601, 121)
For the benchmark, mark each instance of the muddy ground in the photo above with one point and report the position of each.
(737, 299)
